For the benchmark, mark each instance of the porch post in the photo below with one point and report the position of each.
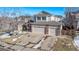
(41, 18)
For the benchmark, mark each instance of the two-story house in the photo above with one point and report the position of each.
(46, 23)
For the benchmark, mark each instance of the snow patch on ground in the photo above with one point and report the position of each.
(5, 36)
(76, 41)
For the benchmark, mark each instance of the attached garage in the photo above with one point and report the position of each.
(51, 28)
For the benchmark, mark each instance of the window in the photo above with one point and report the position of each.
(38, 18)
(43, 18)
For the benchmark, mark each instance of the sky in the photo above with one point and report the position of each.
(30, 10)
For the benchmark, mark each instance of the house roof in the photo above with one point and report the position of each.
(43, 13)
(26, 16)
(59, 16)
(51, 23)
(23, 17)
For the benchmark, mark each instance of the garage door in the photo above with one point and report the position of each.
(38, 30)
(52, 31)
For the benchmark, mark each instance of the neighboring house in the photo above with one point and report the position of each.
(58, 18)
(72, 19)
(24, 18)
(51, 28)
(77, 20)
(19, 25)
(21, 20)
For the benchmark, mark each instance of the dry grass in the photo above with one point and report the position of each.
(10, 40)
(64, 44)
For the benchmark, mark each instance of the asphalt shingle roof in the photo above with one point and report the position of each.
(51, 23)
(43, 13)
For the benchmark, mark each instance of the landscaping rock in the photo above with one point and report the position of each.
(30, 45)
(17, 48)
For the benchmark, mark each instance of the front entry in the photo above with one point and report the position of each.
(24, 28)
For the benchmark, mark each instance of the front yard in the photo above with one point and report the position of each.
(64, 44)
(34, 41)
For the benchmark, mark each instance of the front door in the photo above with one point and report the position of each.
(24, 28)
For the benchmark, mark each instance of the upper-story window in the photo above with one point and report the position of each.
(43, 18)
(38, 18)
